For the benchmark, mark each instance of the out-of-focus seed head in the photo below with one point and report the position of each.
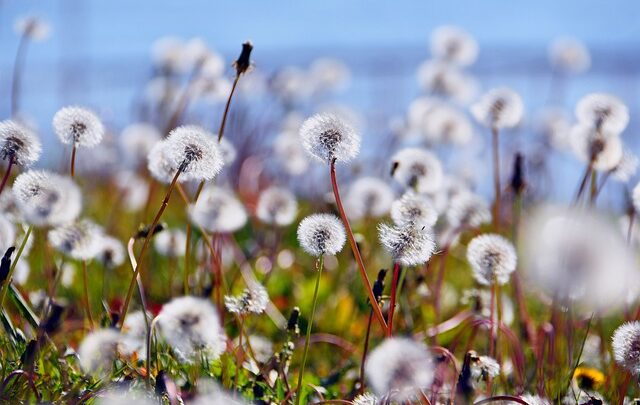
(467, 210)
(79, 126)
(408, 244)
(484, 368)
(277, 206)
(170, 242)
(492, 258)
(47, 199)
(253, 300)
(18, 143)
(111, 251)
(33, 28)
(368, 197)
(194, 150)
(321, 234)
(418, 169)
(161, 167)
(400, 368)
(98, 351)
(603, 149)
(499, 108)
(81, 240)
(448, 125)
(454, 45)
(228, 151)
(626, 168)
(327, 137)
(218, 210)
(137, 140)
(291, 154)
(569, 55)
(603, 112)
(444, 80)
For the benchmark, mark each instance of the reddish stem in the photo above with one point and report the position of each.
(5, 178)
(392, 304)
(496, 178)
(73, 160)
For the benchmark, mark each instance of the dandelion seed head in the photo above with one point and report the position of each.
(9, 206)
(32, 27)
(137, 140)
(553, 124)
(134, 335)
(418, 169)
(253, 300)
(534, 399)
(444, 80)
(277, 206)
(368, 197)
(569, 55)
(81, 240)
(414, 209)
(626, 168)
(492, 258)
(170, 242)
(79, 126)
(194, 149)
(218, 210)
(575, 255)
(603, 112)
(18, 143)
(47, 199)
(228, 151)
(399, 367)
(454, 45)
(7, 234)
(191, 327)
(111, 251)
(603, 149)
(98, 351)
(408, 244)
(499, 108)
(161, 167)
(117, 396)
(448, 125)
(626, 346)
(321, 234)
(484, 368)
(327, 137)
(291, 154)
(366, 399)
(467, 210)
(133, 189)
(329, 74)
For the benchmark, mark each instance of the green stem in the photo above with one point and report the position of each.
(309, 327)
(7, 282)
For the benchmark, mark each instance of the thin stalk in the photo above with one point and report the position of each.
(583, 183)
(149, 337)
(86, 293)
(319, 266)
(239, 351)
(134, 264)
(492, 308)
(354, 248)
(496, 177)
(7, 281)
(364, 352)
(392, 303)
(5, 178)
(186, 259)
(145, 244)
(17, 74)
(73, 159)
(632, 218)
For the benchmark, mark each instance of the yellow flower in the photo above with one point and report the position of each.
(588, 378)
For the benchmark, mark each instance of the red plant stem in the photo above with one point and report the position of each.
(354, 248)
(73, 159)
(496, 178)
(492, 308)
(145, 245)
(5, 178)
(392, 304)
(226, 108)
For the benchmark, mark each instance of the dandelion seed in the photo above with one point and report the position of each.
(47, 199)
(170, 242)
(191, 327)
(399, 367)
(327, 137)
(569, 55)
(82, 240)
(193, 150)
(467, 210)
(603, 112)
(33, 28)
(484, 368)
(321, 234)
(98, 351)
(111, 251)
(278, 206)
(253, 300)
(366, 399)
(575, 255)
(454, 45)
(626, 346)
(499, 108)
(137, 140)
(368, 197)
(218, 210)
(414, 209)
(408, 244)
(418, 169)
(18, 144)
(492, 257)
(78, 126)
(448, 125)
(603, 150)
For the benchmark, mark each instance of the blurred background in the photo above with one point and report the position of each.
(103, 54)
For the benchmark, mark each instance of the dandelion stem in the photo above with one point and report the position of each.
(392, 303)
(134, 264)
(239, 351)
(583, 183)
(7, 281)
(86, 293)
(186, 260)
(5, 178)
(145, 244)
(150, 331)
(354, 248)
(226, 108)
(496, 178)
(17, 73)
(73, 160)
(320, 265)
(492, 308)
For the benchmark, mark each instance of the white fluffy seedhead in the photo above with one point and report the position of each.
(254, 300)
(626, 346)
(499, 108)
(81, 240)
(79, 126)
(194, 150)
(492, 258)
(218, 210)
(408, 244)
(18, 143)
(321, 234)
(603, 112)
(418, 169)
(603, 149)
(454, 45)
(327, 137)
(569, 55)
(277, 206)
(414, 209)
(368, 197)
